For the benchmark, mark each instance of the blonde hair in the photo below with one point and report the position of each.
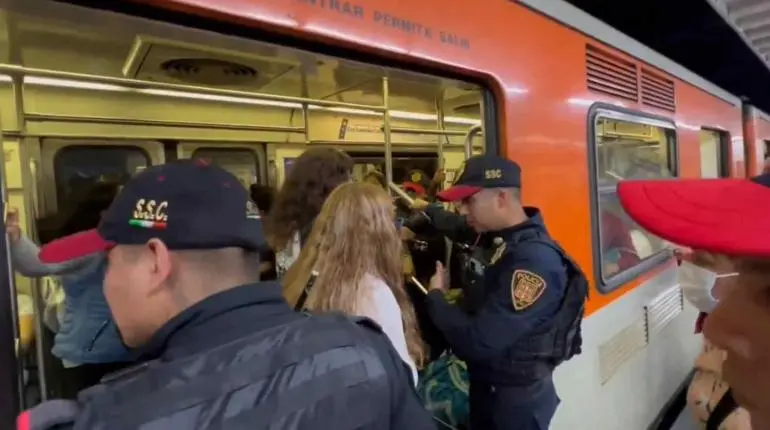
(353, 236)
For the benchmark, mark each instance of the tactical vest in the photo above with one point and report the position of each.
(536, 355)
(318, 370)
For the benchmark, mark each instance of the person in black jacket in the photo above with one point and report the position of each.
(220, 348)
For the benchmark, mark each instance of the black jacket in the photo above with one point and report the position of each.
(242, 359)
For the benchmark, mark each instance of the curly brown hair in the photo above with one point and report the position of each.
(313, 176)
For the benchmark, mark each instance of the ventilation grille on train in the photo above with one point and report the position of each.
(658, 91)
(609, 74)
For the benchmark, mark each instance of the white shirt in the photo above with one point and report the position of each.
(381, 306)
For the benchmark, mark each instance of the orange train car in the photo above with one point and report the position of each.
(249, 84)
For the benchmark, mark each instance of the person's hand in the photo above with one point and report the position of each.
(420, 204)
(12, 224)
(439, 279)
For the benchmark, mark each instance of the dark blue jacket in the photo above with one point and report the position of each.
(243, 359)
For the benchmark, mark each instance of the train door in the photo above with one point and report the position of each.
(714, 153)
(245, 161)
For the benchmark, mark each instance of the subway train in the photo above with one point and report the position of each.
(89, 95)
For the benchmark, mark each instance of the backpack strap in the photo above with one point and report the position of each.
(54, 414)
(300, 306)
(368, 323)
(722, 410)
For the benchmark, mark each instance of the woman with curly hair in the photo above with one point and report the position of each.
(313, 176)
(352, 263)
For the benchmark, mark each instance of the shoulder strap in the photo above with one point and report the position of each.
(722, 410)
(572, 266)
(300, 306)
(368, 323)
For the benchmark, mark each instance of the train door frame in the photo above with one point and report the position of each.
(10, 388)
(50, 147)
(188, 148)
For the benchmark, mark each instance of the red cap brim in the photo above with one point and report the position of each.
(415, 188)
(74, 246)
(727, 216)
(457, 193)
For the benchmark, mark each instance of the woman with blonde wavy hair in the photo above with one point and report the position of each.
(352, 263)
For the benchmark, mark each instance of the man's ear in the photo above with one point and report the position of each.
(159, 262)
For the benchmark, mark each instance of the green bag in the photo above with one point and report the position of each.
(443, 387)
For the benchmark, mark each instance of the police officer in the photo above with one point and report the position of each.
(533, 300)
(222, 349)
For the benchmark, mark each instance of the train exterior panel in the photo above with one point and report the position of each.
(565, 88)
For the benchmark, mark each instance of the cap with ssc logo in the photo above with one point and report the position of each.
(482, 171)
(186, 204)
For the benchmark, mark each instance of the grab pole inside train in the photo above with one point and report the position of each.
(386, 131)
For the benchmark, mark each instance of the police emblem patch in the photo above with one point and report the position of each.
(498, 253)
(526, 289)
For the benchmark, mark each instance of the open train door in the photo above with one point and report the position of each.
(10, 382)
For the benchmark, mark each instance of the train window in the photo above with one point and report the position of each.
(418, 167)
(78, 167)
(714, 161)
(241, 162)
(627, 147)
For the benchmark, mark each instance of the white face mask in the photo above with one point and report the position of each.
(697, 285)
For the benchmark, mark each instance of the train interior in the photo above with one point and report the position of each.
(90, 97)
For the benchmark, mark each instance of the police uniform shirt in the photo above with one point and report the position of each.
(523, 289)
(524, 283)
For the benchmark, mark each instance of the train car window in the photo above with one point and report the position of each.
(627, 147)
(404, 165)
(241, 162)
(714, 147)
(78, 167)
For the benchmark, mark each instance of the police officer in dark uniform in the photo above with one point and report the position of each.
(223, 350)
(533, 299)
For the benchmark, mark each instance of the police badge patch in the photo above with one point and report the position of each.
(526, 289)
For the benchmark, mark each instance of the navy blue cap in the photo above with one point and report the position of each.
(186, 204)
(482, 171)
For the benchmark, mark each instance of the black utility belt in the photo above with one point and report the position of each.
(514, 386)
